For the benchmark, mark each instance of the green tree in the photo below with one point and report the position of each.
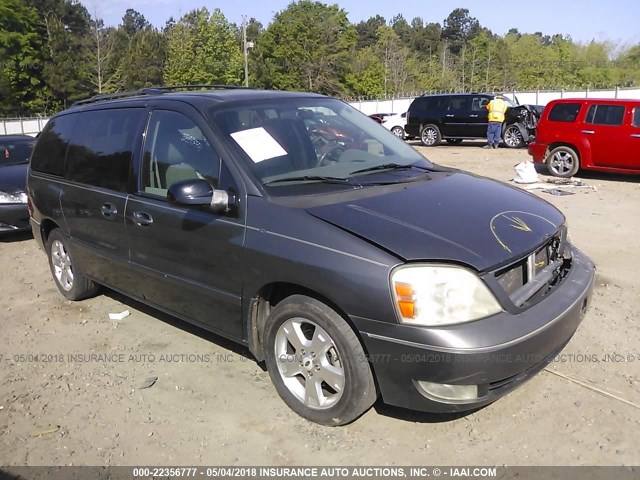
(306, 47)
(20, 59)
(202, 48)
(367, 31)
(365, 77)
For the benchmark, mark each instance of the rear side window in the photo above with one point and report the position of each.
(429, 103)
(605, 114)
(564, 112)
(101, 148)
(636, 117)
(460, 103)
(51, 148)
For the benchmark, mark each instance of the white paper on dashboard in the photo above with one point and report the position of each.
(258, 144)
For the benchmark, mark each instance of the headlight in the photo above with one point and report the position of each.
(433, 295)
(17, 197)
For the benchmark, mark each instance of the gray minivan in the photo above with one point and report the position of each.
(293, 224)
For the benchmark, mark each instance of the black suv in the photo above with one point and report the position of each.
(459, 116)
(293, 224)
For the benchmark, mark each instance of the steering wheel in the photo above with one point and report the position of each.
(331, 156)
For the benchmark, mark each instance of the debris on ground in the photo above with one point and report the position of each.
(558, 192)
(148, 383)
(40, 433)
(525, 173)
(119, 316)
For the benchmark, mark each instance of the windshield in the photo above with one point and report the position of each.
(15, 152)
(312, 140)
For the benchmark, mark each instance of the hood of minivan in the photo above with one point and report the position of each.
(455, 217)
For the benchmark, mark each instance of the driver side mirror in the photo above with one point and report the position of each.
(199, 192)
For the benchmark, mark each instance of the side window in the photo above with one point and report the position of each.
(175, 150)
(564, 112)
(51, 147)
(605, 114)
(460, 103)
(479, 104)
(636, 117)
(101, 148)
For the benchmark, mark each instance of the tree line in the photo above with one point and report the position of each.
(54, 52)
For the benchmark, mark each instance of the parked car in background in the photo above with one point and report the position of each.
(379, 117)
(588, 134)
(15, 151)
(459, 116)
(395, 123)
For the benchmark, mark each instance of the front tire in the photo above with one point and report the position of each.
(512, 137)
(430, 136)
(69, 279)
(317, 363)
(563, 162)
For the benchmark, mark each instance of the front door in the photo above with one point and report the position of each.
(189, 259)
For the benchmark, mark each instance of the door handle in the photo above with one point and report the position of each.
(635, 135)
(449, 115)
(142, 219)
(108, 210)
(590, 132)
(474, 116)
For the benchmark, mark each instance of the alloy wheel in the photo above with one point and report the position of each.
(309, 363)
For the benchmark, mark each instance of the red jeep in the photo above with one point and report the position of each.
(588, 134)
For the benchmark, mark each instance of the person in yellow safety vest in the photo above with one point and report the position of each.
(497, 108)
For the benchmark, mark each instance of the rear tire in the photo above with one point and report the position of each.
(317, 363)
(69, 279)
(563, 162)
(430, 136)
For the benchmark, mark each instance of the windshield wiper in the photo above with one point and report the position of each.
(388, 166)
(311, 178)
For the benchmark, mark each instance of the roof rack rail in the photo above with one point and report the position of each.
(151, 91)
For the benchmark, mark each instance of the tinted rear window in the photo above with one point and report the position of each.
(51, 148)
(605, 114)
(101, 148)
(564, 112)
(636, 117)
(430, 103)
(14, 152)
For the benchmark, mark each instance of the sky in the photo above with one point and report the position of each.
(583, 20)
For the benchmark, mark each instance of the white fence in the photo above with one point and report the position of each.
(537, 97)
(22, 126)
(33, 126)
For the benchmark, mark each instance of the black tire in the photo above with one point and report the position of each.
(337, 355)
(71, 282)
(454, 141)
(398, 131)
(512, 137)
(563, 162)
(430, 136)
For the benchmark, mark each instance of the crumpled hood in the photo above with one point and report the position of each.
(455, 217)
(13, 178)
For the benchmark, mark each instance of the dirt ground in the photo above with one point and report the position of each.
(211, 405)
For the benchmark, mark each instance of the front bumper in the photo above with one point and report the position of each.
(14, 217)
(497, 353)
(538, 151)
